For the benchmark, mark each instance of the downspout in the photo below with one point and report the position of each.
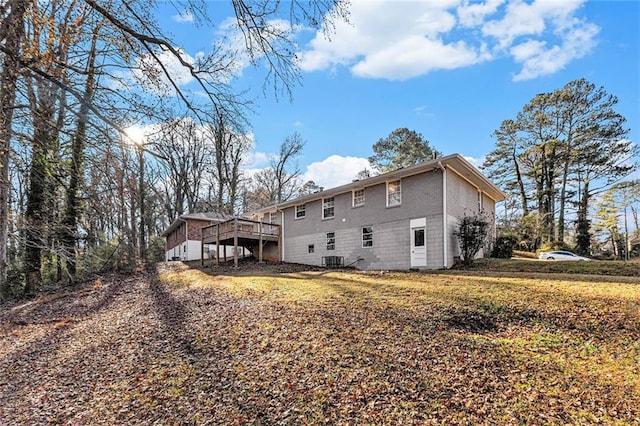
(186, 240)
(281, 248)
(445, 241)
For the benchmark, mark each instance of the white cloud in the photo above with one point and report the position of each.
(257, 160)
(185, 16)
(415, 56)
(334, 171)
(478, 162)
(472, 15)
(422, 111)
(527, 50)
(576, 43)
(400, 40)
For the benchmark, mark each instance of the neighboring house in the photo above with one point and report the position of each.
(184, 236)
(398, 220)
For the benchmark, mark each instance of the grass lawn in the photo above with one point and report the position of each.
(443, 348)
(598, 267)
(187, 346)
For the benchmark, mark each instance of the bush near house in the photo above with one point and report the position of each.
(504, 246)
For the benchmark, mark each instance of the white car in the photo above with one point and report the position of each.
(561, 255)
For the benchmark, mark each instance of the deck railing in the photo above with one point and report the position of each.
(236, 229)
(244, 228)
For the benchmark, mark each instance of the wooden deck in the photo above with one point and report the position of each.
(238, 232)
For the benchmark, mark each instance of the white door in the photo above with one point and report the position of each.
(418, 243)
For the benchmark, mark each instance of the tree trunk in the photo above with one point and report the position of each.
(523, 193)
(563, 191)
(141, 231)
(69, 235)
(12, 34)
(583, 237)
(37, 212)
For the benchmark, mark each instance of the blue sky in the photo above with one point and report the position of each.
(450, 70)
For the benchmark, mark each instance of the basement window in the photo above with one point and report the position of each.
(331, 240)
(367, 236)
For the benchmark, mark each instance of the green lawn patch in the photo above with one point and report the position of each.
(596, 267)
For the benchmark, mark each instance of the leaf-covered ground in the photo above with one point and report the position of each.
(185, 346)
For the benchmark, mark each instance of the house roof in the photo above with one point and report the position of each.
(454, 162)
(208, 216)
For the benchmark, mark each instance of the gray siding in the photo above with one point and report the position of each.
(462, 199)
(421, 198)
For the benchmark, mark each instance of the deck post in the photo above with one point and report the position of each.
(201, 249)
(218, 244)
(235, 242)
(260, 242)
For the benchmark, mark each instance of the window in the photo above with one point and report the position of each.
(301, 211)
(394, 195)
(418, 237)
(367, 236)
(328, 209)
(311, 248)
(331, 240)
(358, 198)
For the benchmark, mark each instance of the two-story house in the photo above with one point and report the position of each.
(398, 220)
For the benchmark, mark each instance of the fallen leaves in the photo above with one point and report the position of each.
(185, 347)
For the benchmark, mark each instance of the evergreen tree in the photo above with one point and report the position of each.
(564, 147)
(402, 148)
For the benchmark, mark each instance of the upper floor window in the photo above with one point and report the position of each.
(331, 240)
(394, 194)
(328, 208)
(358, 198)
(301, 211)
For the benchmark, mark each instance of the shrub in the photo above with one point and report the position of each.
(504, 246)
(471, 235)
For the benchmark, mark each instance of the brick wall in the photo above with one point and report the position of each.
(195, 228)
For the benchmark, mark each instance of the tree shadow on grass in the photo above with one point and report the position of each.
(78, 302)
(173, 315)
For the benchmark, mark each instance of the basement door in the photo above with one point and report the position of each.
(418, 243)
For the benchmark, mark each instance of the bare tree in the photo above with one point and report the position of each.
(11, 35)
(285, 167)
(231, 144)
(279, 182)
(187, 153)
(45, 50)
